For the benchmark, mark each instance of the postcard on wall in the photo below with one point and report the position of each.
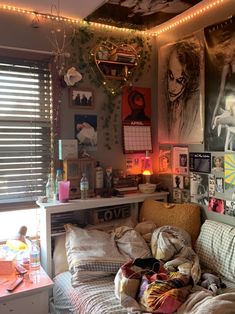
(185, 196)
(86, 131)
(199, 188)
(177, 196)
(180, 160)
(178, 181)
(200, 162)
(165, 158)
(216, 205)
(211, 185)
(230, 208)
(134, 164)
(229, 176)
(217, 163)
(186, 182)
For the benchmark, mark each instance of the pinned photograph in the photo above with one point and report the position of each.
(211, 184)
(178, 181)
(200, 162)
(217, 164)
(216, 205)
(230, 208)
(180, 160)
(86, 130)
(199, 188)
(177, 196)
(165, 159)
(81, 98)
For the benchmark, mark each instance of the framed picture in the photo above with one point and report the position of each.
(81, 98)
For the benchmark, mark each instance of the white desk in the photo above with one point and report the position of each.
(48, 209)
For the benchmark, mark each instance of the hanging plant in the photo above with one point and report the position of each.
(86, 51)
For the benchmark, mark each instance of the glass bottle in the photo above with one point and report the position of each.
(99, 178)
(34, 255)
(84, 186)
(50, 188)
(59, 177)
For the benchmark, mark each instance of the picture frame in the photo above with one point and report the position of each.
(81, 98)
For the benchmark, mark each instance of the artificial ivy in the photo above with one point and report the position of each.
(83, 41)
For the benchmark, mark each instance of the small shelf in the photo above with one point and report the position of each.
(117, 63)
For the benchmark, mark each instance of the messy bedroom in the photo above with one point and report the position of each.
(117, 156)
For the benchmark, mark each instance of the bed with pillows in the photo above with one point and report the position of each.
(165, 263)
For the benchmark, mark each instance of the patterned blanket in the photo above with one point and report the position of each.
(160, 284)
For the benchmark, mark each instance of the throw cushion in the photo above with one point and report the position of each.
(215, 248)
(185, 216)
(91, 254)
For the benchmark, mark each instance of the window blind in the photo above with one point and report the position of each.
(25, 130)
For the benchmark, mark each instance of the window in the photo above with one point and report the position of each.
(25, 129)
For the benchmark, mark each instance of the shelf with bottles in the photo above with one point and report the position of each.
(116, 62)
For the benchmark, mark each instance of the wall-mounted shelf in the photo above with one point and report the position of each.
(115, 62)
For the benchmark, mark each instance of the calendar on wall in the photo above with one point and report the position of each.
(137, 138)
(136, 119)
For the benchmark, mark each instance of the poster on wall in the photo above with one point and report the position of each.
(199, 188)
(180, 101)
(136, 119)
(180, 160)
(220, 86)
(86, 131)
(200, 162)
(229, 176)
(165, 159)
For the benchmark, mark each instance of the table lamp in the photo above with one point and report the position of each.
(147, 170)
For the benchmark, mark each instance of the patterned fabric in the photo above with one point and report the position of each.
(91, 254)
(95, 297)
(173, 246)
(215, 248)
(164, 296)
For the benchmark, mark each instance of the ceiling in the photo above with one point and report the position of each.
(140, 14)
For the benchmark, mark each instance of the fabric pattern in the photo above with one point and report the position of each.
(185, 216)
(91, 254)
(215, 248)
(94, 297)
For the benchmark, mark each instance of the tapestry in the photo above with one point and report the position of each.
(220, 86)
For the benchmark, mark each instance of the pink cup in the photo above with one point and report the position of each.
(63, 188)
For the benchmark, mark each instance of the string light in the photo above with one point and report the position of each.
(189, 17)
(104, 26)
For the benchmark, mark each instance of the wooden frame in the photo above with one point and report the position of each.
(81, 98)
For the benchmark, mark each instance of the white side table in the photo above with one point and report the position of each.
(31, 296)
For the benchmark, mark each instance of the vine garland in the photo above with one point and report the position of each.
(83, 42)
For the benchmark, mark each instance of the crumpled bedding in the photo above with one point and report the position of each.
(202, 301)
(172, 246)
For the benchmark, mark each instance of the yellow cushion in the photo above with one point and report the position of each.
(185, 216)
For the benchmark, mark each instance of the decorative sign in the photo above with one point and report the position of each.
(110, 213)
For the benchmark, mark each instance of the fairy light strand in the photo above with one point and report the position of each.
(156, 33)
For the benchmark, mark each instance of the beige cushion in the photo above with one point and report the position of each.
(59, 252)
(91, 254)
(185, 216)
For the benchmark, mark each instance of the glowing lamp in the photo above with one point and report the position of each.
(147, 167)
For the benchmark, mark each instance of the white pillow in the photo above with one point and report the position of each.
(91, 253)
